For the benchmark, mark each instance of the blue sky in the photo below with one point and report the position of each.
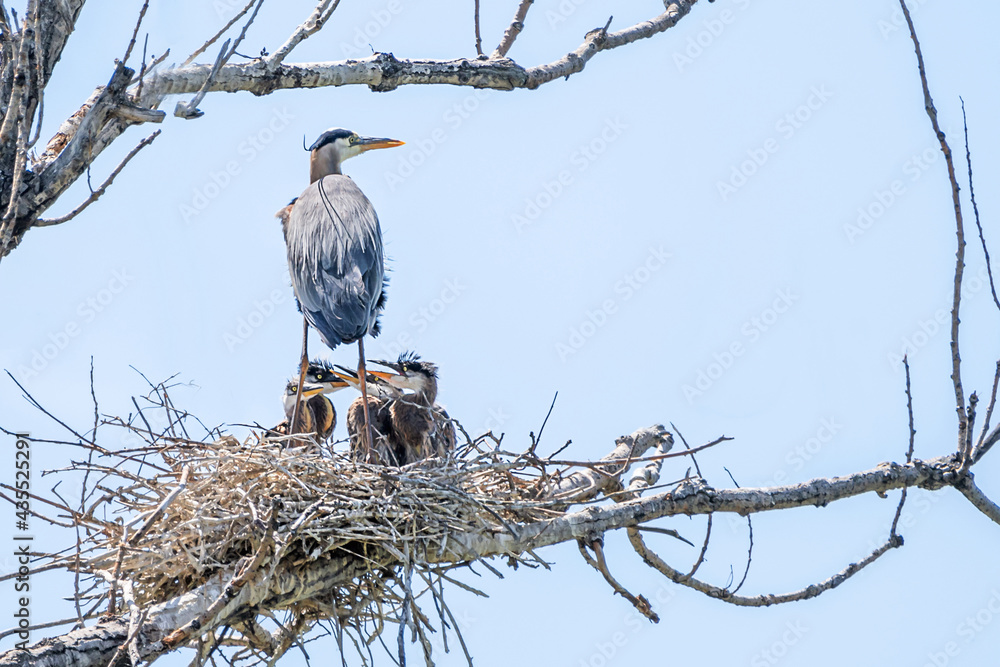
(737, 226)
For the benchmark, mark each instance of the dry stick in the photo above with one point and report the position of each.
(956, 360)
(600, 564)
(158, 512)
(978, 453)
(536, 440)
(657, 563)
(513, 30)
(909, 451)
(479, 38)
(48, 414)
(309, 27)
(216, 36)
(642, 459)
(708, 527)
(189, 110)
(135, 32)
(975, 207)
(42, 626)
(746, 571)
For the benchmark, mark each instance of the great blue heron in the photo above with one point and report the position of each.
(316, 416)
(423, 426)
(409, 425)
(335, 250)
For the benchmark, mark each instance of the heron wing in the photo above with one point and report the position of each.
(335, 259)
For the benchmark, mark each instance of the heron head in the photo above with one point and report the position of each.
(322, 373)
(291, 391)
(336, 145)
(413, 372)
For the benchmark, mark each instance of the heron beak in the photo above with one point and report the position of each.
(347, 379)
(310, 390)
(371, 143)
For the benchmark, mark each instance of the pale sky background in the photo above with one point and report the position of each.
(514, 311)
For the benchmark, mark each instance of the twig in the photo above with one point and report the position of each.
(978, 453)
(311, 26)
(535, 440)
(750, 548)
(657, 563)
(158, 512)
(201, 49)
(95, 195)
(479, 37)
(31, 399)
(190, 109)
(956, 360)
(135, 32)
(513, 30)
(909, 451)
(975, 207)
(600, 564)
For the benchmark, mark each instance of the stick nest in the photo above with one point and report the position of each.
(221, 500)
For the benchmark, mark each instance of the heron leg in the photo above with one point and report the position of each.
(370, 442)
(303, 366)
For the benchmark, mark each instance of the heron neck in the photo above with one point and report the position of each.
(323, 162)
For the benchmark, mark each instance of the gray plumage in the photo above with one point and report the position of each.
(335, 243)
(335, 253)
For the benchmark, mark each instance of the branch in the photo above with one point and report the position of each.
(725, 595)
(311, 26)
(964, 439)
(695, 497)
(48, 222)
(515, 28)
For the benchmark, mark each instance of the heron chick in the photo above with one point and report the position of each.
(317, 416)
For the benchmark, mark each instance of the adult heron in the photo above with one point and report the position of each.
(335, 251)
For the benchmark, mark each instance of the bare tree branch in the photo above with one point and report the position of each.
(657, 563)
(515, 28)
(95, 195)
(964, 439)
